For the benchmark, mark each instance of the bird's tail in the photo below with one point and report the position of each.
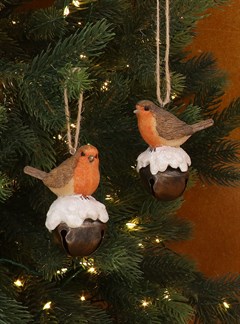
(202, 125)
(36, 173)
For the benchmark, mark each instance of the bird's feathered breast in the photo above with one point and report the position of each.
(170, 127)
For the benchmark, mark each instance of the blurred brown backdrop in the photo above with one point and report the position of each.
(215, 210)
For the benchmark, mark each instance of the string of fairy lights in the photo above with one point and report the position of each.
(19, 283)
(88, 265)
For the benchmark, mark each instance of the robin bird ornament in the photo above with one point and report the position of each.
(78, 175)
(159, 127)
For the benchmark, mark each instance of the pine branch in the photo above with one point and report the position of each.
(174, 306)
(6, 187)
(217, 299)
(10, 73)
(6, 282)
(168, 269)
(222, 175)
(9, 44)
(91, 40)
(69, 309)
(46, 24)
(8, 6)
(120, 256)
(39, 88)
(16, 264)
(228, 119)
(13, 312)
(204, 80)
(35, 294)
(189, 114)
(215, 157)
(21, 140)
(158, 220)
(216, 161)
(3, 118)
(50, 264)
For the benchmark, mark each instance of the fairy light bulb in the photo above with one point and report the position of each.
(92, 270)
(76, 3)
(108, 197)
(18, 283)
(82, 298)
(105, 85)
(167, 295)
(83, 263)
(66, 11)
(131, 225)
(47, 305)
(144, 303)
(62, 271)
(226, 305)
(87, 263)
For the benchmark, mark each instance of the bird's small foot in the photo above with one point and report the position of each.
(152, 149)
(85, 197)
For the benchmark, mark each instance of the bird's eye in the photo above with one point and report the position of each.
(146, 108)
(83, 154)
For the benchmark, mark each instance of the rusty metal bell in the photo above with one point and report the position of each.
(167, 185)
(81, 241)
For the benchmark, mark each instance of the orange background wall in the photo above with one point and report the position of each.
(215, 210)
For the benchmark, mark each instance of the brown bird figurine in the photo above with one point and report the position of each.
(79, 174)
(159, 127)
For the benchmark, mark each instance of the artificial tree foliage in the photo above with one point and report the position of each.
(134, 277)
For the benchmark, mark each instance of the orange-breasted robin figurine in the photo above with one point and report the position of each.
(159, 127)
(79, 174)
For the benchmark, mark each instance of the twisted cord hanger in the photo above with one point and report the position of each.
(167, 98)
(73, 147)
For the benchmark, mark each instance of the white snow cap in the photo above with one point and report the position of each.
(162, 157)
(73, 210)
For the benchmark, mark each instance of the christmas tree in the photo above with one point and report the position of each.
(104, 52)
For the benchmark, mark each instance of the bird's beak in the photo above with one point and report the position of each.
(137, 110)
(91, 158)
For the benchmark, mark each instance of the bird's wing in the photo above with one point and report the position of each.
(170, 127)
(62, 174)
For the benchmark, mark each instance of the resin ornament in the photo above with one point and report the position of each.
(80, 241)
(164, 171)
(164, 166)
(159, 127)
(77, 219)
(78, 223)
(79, 174)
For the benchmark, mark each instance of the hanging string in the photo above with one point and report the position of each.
(158, 63)
(73, 147)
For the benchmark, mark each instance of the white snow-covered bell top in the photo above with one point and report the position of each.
(162, 157)
(74, 210)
